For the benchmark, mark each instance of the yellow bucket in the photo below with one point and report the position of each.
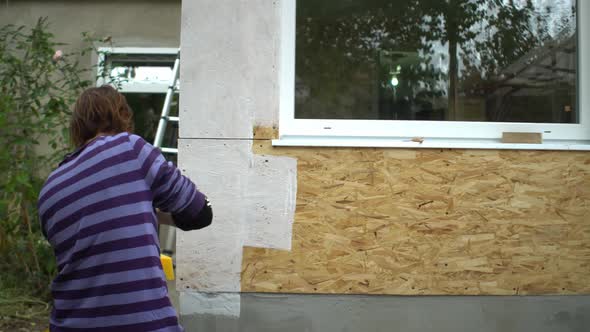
(167, 266)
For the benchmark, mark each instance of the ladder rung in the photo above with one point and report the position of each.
(173, 118)
(169, 150)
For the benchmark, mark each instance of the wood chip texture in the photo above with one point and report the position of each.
(431, 222)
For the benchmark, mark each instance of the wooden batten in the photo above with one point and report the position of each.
(431, 222)
(522, 138)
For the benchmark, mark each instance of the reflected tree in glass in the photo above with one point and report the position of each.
(427, 59)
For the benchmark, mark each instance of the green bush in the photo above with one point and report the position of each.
(38, 85)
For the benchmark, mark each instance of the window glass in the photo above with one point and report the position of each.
(143, 79)
(141, 69)
(453, 60)
(147, 108)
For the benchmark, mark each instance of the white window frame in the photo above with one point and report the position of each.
(133, 87)
(436, 134)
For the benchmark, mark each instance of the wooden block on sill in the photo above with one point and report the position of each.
(522, 138)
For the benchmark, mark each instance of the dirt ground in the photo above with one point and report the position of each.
(17, 315)
(27, 316)
(11, 324)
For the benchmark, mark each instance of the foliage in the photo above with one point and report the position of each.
(38, 85)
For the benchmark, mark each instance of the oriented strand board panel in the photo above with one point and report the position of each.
(431, 222)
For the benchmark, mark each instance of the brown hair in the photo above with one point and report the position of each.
(99, 110)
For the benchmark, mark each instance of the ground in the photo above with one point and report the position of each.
(23, 317)
(29, 315)
(8, 324)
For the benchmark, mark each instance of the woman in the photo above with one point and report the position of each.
(97, 211)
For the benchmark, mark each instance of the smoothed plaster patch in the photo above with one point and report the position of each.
(253, 199)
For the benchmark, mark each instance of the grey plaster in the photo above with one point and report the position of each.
(229, 67)
(326, 313)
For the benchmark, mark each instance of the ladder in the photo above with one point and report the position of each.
(165, 117)
(170, 236)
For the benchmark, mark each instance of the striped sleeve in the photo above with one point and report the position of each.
(172, 191)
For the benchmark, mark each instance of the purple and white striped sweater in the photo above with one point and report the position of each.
(97, 211)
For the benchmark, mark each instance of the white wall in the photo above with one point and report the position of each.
(229, 84)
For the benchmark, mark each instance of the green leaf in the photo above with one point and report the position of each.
(32, 106)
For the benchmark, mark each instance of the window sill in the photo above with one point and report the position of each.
(427, 143)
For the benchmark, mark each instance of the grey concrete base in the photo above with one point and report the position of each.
(323, 313)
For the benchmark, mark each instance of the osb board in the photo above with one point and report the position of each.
(265, 133)
(431, 222)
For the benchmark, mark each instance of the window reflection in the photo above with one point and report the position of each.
(455, 60)
(143, 74)
(147, 108)
(141, 68)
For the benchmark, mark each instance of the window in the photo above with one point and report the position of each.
(143, 76)
(449, 71)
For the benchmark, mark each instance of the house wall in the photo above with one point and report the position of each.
(133, 23)
(319, 313)
(349, 222)
(431, 222)
(230, 85)
(146, 23)
(284, 216)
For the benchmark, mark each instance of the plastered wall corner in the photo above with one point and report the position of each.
(229, 61)
(253, 199)
(210, 259)
(230, 85)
